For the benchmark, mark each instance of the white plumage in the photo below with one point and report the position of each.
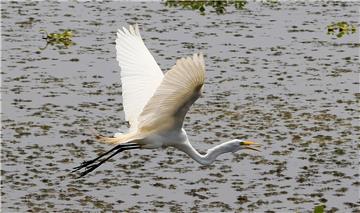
(140, 74)
(178, 90)
(155, 104)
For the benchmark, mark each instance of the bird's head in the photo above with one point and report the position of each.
(237, 144)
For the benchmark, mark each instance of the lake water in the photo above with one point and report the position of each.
(273, 75)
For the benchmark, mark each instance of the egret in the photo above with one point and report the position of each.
(155, 104)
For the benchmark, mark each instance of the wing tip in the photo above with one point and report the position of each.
(132, 30)
(198, 58)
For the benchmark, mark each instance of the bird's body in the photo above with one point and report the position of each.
(155, 104)
(164, 139)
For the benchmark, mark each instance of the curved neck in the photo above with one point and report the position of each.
(209, 157)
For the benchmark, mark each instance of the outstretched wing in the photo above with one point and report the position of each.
(140, 74)
(179, 89)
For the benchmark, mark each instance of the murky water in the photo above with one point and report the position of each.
(273, 76)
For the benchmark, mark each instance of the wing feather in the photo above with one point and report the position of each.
(140, 74)
(179, 89)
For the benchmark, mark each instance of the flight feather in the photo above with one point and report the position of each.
(179, 89)
(140, 74)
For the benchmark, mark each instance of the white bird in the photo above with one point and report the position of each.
(155, 104)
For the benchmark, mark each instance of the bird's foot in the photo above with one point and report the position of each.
(84, 164)
(89, 169)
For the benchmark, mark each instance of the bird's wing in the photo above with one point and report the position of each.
(140, 74)
(179, 89)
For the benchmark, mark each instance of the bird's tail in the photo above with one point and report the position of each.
(117, 139)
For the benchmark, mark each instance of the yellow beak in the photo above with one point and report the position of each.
(250, 145)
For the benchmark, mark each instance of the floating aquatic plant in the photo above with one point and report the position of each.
(340, 29)
(319, 209)
(218, 6)
(58, 38)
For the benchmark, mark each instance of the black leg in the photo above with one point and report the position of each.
(88, 164)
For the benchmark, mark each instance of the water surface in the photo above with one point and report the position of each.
(273, 75)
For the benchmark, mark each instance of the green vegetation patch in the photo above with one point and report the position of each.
(340, 29)
(201, 6)
(64, 38)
